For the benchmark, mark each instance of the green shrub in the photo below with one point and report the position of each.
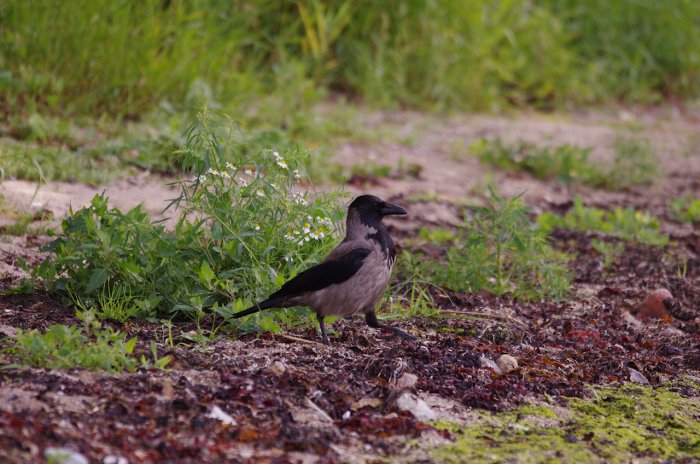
(625, 223)
(88, 346)
(243, 227)
(499, 250)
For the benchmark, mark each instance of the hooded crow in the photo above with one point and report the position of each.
(354, 275)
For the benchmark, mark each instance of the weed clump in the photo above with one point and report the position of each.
(624, 223)
(634, 163)
(500, 250)
(243, 226)
(686, 209)
(88, 347)
(565, 163)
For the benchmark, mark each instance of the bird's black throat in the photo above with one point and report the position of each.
(383, 239)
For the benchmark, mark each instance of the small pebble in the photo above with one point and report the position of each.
(416, 406)
(278, 368)
(637, 377)
(507, 363)
(221, 415)
(112, 459)
(405, 382)
(653, 306)
(64, 456)
(488, 363)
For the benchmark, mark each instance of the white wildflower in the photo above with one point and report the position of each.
(288, 258)
(260, 193)
(277, 156)
(297, 176)
(281, 163)
(257, 226)
(230, 166)
(248, 172)
(307, 228)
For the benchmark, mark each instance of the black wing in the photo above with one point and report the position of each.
(324, 274)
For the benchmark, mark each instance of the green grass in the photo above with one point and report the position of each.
(87, 346)
(272, 58)
(16, 222)
(497, 250)
(634, 162)
(624, 223)
(616, 425)
(565, 163)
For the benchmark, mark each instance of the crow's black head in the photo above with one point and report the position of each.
(372, 209)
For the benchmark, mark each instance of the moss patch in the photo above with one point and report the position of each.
(614, 425)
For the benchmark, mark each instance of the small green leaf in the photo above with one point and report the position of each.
(129, 345)
(97, 279)
(206, 275)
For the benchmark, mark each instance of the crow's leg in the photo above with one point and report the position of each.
(321, 324)
(372, 321)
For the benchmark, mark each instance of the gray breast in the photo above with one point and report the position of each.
(360, 293)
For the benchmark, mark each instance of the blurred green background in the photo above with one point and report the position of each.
(124, 58)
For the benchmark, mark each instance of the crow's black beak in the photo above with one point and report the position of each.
(388, 210)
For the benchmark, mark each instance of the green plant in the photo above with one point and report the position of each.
(609, 251)
(635, 163)
(499, 250)
(686, 209)
(113, 302)
(88, 346)
(243, 227)
(439, 235)
(411, 296)
(625, 223)
(566, 163)
(23, 223)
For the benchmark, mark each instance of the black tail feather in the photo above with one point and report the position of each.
(270, 303)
